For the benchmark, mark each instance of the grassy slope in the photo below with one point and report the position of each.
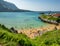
(49, 39)
(11, 39)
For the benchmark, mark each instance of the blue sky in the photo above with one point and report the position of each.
(37, 5)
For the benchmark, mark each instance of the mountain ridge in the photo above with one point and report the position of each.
(10, 7)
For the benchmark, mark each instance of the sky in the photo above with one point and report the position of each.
(37, 5)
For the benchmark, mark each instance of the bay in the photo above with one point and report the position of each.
(20, 20)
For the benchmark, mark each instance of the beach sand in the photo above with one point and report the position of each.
(33, 32)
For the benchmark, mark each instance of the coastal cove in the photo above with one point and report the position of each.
(19, 20)
(29, 23)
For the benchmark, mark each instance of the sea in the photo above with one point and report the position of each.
(21, 20)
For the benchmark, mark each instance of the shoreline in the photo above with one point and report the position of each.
(48, 21)
(34, 32)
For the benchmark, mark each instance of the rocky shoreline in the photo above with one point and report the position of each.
(48, 21)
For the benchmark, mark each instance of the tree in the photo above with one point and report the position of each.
(58, 20)
(42, 13)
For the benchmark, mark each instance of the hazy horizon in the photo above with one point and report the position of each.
(37, 5)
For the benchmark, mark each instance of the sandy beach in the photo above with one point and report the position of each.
(33, 32)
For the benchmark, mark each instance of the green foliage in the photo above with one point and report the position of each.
(44, 16)
(49, 39)
(58, 20)
(12, 39)
(49, 17)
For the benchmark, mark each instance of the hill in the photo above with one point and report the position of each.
(9, 7)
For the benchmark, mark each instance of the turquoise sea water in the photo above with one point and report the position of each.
(20, 20)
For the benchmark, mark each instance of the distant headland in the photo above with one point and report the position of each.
(10, 7)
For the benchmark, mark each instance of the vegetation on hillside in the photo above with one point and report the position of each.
(12, 39)
(49, 39)
(49, 17)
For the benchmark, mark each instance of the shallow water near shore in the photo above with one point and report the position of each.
(21, 20)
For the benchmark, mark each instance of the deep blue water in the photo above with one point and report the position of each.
(21, 20)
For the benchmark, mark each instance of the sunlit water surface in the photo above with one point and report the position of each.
(20, 20)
